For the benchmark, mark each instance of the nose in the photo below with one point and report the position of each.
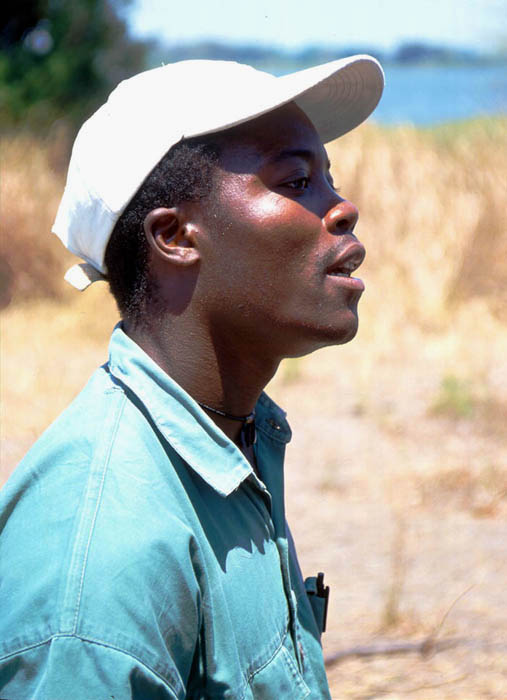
(342, 218)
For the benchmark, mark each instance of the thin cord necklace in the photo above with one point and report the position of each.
(247, 435)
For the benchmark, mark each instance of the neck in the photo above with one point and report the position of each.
(228, 376)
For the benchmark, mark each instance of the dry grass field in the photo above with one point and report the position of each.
(397, 472)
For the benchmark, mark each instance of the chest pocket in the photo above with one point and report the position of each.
(279, 678)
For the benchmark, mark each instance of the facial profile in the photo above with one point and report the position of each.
(274, 242)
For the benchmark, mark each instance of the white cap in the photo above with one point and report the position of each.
(119, 145)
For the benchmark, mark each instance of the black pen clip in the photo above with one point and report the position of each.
(323, 592)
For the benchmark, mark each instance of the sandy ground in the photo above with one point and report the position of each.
(402, 517)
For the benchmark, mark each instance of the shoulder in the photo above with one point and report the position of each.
(72, 438)
(92, 540)
(94, 433)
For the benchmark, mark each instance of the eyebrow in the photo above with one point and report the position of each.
(303, 153)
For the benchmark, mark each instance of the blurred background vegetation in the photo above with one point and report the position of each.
(60, 60)
(409, 471)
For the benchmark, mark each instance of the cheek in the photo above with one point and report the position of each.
(276, 234)
(260, 250)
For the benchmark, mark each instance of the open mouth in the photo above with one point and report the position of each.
(345, 264)
(347, 261)
(344, 270)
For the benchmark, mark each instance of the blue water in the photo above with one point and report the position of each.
(428, 95)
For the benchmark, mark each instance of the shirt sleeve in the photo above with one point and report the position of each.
(69, 667)
(114, 615)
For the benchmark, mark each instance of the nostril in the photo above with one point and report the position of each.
(344, 225)
(342, 218)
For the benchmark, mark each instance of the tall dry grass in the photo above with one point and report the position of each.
(31, 185)
(432, 214)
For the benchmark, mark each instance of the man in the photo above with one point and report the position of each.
(144, 547)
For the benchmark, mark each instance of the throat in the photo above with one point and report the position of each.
(247, 434)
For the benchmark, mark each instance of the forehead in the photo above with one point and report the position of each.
(279, 134)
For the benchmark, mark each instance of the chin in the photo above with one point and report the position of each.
(343, 330)
(343, 334)
(315, 338)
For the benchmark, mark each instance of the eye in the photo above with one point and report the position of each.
(299, 185)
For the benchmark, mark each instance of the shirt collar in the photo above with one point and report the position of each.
(182, 422)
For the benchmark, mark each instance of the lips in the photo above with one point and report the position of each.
(347, 261)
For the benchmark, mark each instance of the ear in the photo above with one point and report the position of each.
(171, 237)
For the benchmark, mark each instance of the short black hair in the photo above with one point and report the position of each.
(185, 173)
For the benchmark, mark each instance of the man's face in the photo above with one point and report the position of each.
(277, 244)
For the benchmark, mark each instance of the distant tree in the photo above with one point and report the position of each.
(60, 58)
(420, 52)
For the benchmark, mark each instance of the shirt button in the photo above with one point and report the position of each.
(273, 424)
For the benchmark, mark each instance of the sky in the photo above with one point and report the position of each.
(474, 24)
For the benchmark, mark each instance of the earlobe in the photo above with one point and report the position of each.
(170, 237)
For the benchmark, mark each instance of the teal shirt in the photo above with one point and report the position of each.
(141, 557)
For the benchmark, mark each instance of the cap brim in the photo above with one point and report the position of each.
(336, 96)
(342, 94)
